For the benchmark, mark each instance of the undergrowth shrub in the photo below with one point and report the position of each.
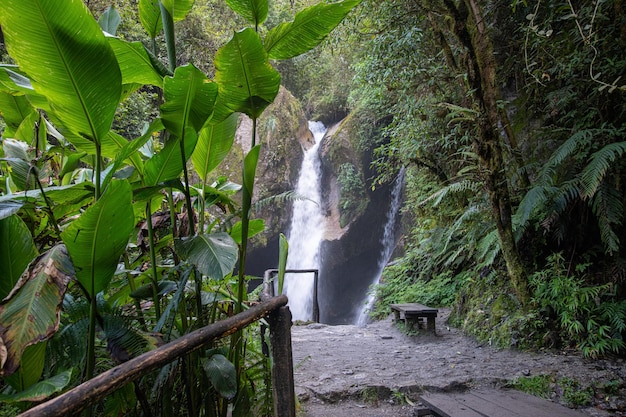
(588, 317)
(399, 286)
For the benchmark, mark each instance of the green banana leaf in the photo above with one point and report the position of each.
(63, 51)
(8, 208)
(214, 143)
(215, 255)
(41, 390)
(14, 109)
(308, 29)
(18, 249)
(110, 20)
(283, 252)
(178, 9)
(222, 374)
(189, 99)
(31, 312)
(255, 227)
(97, 239)
(31, 367)
(136, 63)
(246, 80)
(150, 17)
(254, 11)
(167, 164)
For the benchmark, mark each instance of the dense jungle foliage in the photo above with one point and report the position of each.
(118, 232)
(510, 118)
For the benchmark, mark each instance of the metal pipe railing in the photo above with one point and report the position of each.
(268, 286)
(96, 389)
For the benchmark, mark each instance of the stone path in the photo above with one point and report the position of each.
(364, 368)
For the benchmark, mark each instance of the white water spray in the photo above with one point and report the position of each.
(388, 243)
(306, 231)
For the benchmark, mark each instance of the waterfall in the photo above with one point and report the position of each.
(306, 231)
(388, 243)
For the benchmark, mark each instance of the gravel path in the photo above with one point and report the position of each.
(378, 371)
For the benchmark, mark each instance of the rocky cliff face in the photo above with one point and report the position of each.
(356, 217)
(354, 213)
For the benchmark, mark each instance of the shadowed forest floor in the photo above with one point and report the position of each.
(377, 370)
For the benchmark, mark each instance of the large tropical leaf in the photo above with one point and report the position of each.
(31, 312)
(254, 11)
(222, 374)
(255, 227)
(97, 239)
(18, 249)
(308, 29)
(214, 143)
(14, 110)
(178, 9)
(63, 51)
(136, 63)
(189, 98)
(31, 367)
(150, 17)
(110, 20)
(41, 390)
(247, 82)
(215, 255)
(167, 164)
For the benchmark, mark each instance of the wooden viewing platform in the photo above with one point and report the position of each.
(412, 313)
(491, 403)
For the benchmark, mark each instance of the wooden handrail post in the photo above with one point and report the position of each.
(282, 363)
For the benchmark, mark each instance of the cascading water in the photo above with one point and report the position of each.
(306, 231)
(388, 243)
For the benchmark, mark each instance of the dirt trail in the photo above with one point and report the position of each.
(372, 371)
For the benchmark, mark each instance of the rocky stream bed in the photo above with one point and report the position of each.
(377, 370)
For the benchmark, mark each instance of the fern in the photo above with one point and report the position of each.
(454, 188)
(277, 199)
(608, 207)
(580, 139)
(601, 162)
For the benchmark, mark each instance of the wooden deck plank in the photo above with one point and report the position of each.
(447, 406)
(495, 403)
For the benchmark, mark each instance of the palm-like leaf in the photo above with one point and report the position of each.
(64, 52)
(18, 249)
(308, 29)
(97, 239)
(31, 312)
(608, 207)
(247, 82)
(214, 143)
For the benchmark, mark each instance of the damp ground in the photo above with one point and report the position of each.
(377, 370)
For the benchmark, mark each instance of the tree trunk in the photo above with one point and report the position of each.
(471, 30)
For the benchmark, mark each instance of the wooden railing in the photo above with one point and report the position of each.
(96, 389)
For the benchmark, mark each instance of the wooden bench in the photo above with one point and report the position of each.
(413, 313)
(491, 403)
